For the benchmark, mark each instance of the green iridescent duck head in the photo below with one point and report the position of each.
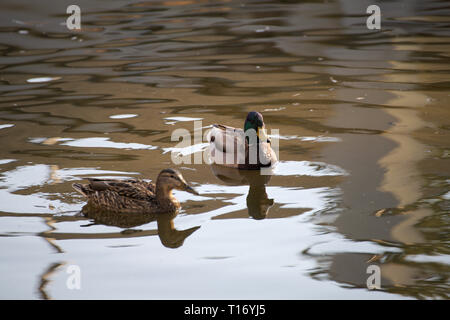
(255, 121)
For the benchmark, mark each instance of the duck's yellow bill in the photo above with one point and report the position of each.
(262, 134)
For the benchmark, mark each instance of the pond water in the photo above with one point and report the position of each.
(363, 124)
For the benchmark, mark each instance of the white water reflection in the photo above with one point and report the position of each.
(42, 79)
(33, 178)
(34, 203)
(94, 142)
(185, 151)
(70, 174)
(423, 258)
(307, 168)
(123, 116)
(340, 244)
(100, 142)
(4, 126)
(5, 161)
(309, 139)
(173, 120)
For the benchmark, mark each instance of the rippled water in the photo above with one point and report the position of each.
(364, 146)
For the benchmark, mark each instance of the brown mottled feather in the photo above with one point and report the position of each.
(124, 196)
(131, 188)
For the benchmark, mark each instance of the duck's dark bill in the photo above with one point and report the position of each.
(191, 190)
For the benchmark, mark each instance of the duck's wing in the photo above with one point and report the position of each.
(135, 189)
(110, 201)
(225, 138)
(227, 145)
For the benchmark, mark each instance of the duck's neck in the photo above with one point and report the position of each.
(165, 197)
(248, 126)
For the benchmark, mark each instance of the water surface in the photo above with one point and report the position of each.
(364, 146)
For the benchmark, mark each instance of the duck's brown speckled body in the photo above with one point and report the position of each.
(134, 195)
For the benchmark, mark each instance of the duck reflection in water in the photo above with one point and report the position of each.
(169, 236)
(258, 202)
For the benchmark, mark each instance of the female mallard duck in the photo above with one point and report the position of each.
(134, 195)
(242, 149)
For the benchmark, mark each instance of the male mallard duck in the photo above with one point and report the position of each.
(134, 195)
(243, 149)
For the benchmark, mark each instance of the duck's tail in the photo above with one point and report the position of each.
(80, 188)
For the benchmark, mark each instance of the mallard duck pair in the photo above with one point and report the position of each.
(139, 196)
